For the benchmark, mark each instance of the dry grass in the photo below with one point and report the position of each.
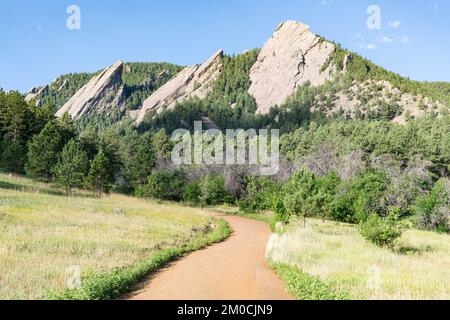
(419, 268)
(42, 234)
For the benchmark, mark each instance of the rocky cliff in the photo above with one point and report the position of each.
(290, 58)
(194, 81)
(103, 91)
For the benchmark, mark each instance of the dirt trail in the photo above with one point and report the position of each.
(231, 270)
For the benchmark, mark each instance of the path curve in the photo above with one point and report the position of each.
(232, 270)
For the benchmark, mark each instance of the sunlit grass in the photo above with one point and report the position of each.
(42, 234)
(419, 268)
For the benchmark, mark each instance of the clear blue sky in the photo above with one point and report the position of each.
(36, 46)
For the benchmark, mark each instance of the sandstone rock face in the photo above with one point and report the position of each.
(35, 93)
(194, 81)
(289, 59)
(101, 92)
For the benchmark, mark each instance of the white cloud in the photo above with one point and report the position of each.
(369, 46)
(395, 24)
(386, 39)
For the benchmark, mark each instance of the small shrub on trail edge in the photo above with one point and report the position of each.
(113, 284)
(306, 287)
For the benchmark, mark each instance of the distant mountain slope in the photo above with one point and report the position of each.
(295, 70)
(139, 80)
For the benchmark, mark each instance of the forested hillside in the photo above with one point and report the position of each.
(139, 78)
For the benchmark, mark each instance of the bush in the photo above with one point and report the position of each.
(360, 197)
(381, 231)
(260, 194)
(164, 185)
(281, 214)
(432, 209)
(213, 190)
(192, 193)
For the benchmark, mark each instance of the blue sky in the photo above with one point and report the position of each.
(36, 46)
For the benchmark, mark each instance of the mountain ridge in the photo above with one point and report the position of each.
(349, 84)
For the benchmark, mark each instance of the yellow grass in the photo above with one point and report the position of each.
(419, 268)
(42, 234)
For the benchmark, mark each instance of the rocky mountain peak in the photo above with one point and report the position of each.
(290, 58)
(194, 81)
(100, 92)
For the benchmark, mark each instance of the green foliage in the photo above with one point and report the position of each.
(300, 191)
(260, 194)
(306, 287)
(63, 88)
(360, 197)
(99, 178)
(13, 156)
(281, 214)
(192, 193)
(137, 157)
(164, 185)
(71, 169)
(213, 190)
(361, 69)
(432, 210)
(142, 79)
(112, 285)
(382, 231)
(17, 118)
(44, 149)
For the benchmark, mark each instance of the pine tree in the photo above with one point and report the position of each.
(13, 156)
(16, 117)
(99, 178)
(71, 168)
(43, 151)
(137, 157)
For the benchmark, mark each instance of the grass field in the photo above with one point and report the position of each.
(418, 268)
(43, 233)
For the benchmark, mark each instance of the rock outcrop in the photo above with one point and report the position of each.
(289, 59)
(100, 93)
(35, 93)
(194, 81)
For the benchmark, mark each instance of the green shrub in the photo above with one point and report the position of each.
(432, 210)
(192, 193)
(360, 196)
(381, 231)
(260, 194)
(213, 190)
(306, 287)
(164, 185)
(281, 214)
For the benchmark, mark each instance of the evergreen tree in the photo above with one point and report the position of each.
(71, 168)
(137, 157)
(99, 178)
(13, 155)
(162, 144)
(16, 117)
(43, 151)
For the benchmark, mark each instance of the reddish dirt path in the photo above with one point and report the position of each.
(231, 270)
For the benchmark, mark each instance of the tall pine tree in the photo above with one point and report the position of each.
(99, 178)
(71, 168)
(43, 152)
